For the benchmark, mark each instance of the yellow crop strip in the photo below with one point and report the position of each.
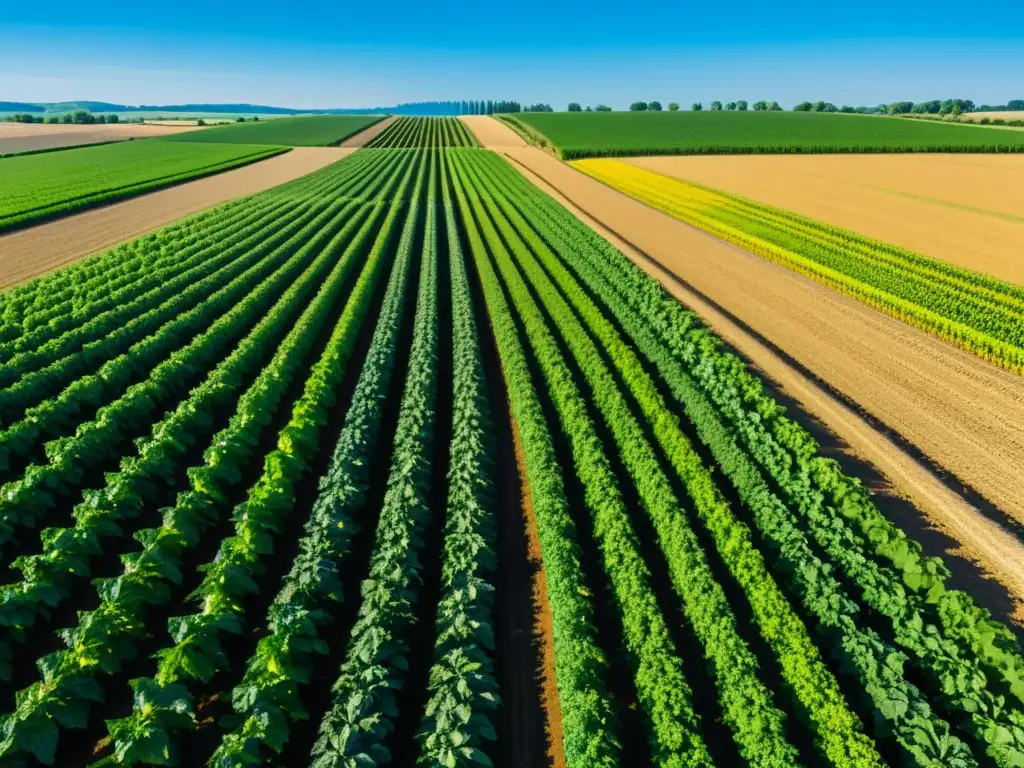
(976, 313)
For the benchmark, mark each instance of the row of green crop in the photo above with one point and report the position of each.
(196, 652)
(307, 131)
(268, 699)
(122, 263)
(76, 388)
(144, 304)
(429, 132)
(106, 636)
(661, 686)
(363, 698)
(589, 722)
(69, 459)
(131, 260)
(875, 663)
(66, 553)
(949, 659)
(458, 718)
(157, 260)
(63, 352)
(173, 372)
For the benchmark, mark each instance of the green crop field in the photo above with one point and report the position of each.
(434, 132)
(609, 134)
(263, 482)
(313, 131)
(37, 187)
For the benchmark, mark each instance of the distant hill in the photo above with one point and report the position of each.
(92, 106)
(20, 106)
(417, 108)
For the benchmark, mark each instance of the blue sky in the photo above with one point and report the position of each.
(335, 54)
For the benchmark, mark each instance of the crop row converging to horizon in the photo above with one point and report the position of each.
(254, 467)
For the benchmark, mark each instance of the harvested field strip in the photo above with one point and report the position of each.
(977, 313)
(966, 210)
(290, 507)
(40, 187)
(429, 132)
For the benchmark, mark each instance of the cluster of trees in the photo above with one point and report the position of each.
(933, 107)
(538, 108)
(1013, 105)
(716, 106)
(24, 118)
(240, 119)
(78, 117)
(574, 106)
(491, 107)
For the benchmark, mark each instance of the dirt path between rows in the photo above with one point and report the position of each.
(32, 252)
(909, 405)
(967, 210)
(543, 629)
(491, 132)
(363, 138)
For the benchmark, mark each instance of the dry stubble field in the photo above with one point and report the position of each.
(967, 210)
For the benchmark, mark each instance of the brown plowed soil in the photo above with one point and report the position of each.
(491, 132)
(22, 137)
(32, 252)
(967, 210)
(543, 630)
(887, 390)
(363, 138)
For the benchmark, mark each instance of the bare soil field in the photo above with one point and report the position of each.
(363, 138)
(906, 403)
(967, 210)
(492, 133)
(32, 252)
(22, 137)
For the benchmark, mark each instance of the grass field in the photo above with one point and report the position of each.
(259, 470)
(314, 131)
(38, 187)
(977, 313)
(580, 135)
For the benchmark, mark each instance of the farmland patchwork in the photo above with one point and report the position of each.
(252, 474)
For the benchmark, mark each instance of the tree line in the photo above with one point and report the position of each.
(697, 106)
(937, 107)
(78, 117)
